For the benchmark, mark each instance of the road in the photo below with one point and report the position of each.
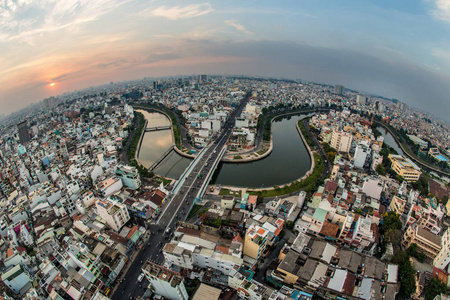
(175, 210)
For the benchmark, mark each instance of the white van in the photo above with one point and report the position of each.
(141, 277)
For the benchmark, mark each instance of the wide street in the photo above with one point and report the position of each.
(175, 209)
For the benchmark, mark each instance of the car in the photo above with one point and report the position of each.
(168, 230)
(141, 276)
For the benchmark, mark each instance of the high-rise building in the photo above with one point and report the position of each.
(203, 78)
(114, 213)
(401, 105)
(49, 102)
(341, 141)
(338, 89)
(165, 282)
(24, 136)
(361, 99)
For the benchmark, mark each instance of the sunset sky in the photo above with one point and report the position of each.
(396, 48)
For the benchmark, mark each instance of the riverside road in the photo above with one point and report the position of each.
(175, 210)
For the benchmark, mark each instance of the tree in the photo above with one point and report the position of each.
(420, 256)
(412, 250)
(290, 224)
(406, 273)
(433, 288)
(380, 169)
(391, 220)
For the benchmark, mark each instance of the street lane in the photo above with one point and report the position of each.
(176, 209)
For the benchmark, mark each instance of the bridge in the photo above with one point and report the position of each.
(193, 183)
(156, 163)
(190, 187)
(158, 128)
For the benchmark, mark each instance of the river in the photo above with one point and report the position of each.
(389, 139)
(288, 161)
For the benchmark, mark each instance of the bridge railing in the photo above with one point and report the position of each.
(156, 163)
(202, 190)
(183, 176)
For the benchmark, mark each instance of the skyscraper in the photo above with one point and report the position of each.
(24, 136)
(361, 99)
(338, 89)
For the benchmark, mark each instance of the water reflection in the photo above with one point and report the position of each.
(288, 161)
(389, 139)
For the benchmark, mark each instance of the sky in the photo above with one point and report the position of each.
(394, 48)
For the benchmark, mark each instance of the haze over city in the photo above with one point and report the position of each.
(395, 49)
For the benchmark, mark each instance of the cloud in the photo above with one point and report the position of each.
(441, 10)
(182, 12)
(238, 26)
(24, 20)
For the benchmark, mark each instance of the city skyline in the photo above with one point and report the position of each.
(395, 50)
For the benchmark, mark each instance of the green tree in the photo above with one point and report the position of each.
(290, 224)
(391, 220)
(420, 256)
(406, 273)
(412, 250)
(433, 288)
(380, 169)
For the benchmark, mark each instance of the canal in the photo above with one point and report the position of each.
(288, 161)
(389, 139)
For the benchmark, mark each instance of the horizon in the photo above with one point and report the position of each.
(394, 50)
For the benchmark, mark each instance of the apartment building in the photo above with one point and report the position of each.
(114, 213)
(165, 282)
(405, 167)
(341, 141)
(255, 241)
(426, 241)
(129, 176)
(109, 186)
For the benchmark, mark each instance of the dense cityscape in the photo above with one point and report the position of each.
(87, 215)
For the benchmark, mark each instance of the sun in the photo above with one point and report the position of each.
(52, 84)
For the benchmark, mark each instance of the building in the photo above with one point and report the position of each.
(405, 167)
(426, 241)
(443, 258)
(227, 202)
(418, 141)
(129, 176)
(109, 186)
(401, 106)
(17, 279)
(24, 136)
(207, 292)
(192, 247)
(361, 99)
(338, 89)
(165, 282)
(255, 241)
(114, 213)
(341, 141)
(360, 156)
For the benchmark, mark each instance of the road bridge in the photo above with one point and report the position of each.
(158, 128)
(190, 187)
